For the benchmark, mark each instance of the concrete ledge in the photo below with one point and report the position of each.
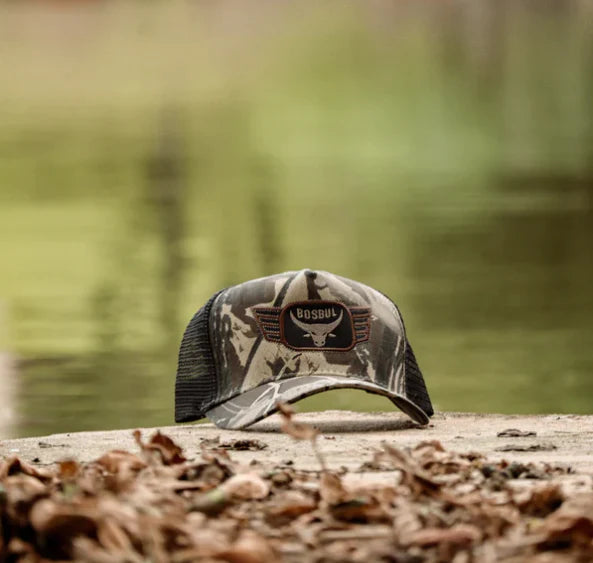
(348, 439)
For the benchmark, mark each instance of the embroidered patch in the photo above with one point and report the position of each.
(315, 325)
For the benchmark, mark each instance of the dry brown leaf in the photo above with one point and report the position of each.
(118, 460)
(285, 409)
(538, 447)
(572, 522)
(211, 503)
(461, 534)
(59, 523)
(16, 466)
(210, 443)
(23, 489)
(244, 445)
(21, 551)
(205, 476)
(281, 478)
(68, 469)
(297, 430)
(331, 488)
(406, 520)
(115, 471)
(289, 505)
(170, 453)
(48, 514)
(21, 492)
(433, 445)
(300, 431)
(218, 466)
(112, 537)
(494, 521)
(540, 501)
(359, 510)
(246, 486)
(418, 479)
(515, 433)
(249, 548)
(89, 551)
(357, 533)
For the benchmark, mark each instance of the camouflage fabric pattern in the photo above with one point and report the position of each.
(253, 372)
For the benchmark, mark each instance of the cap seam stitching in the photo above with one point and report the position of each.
(215, 349)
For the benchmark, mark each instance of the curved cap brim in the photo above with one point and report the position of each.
(258, 403)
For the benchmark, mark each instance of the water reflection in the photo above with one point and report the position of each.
(8, 395)
(429, 163)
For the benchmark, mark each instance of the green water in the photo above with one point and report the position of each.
(448, 164)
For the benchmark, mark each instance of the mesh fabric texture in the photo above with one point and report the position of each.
(415, 387)
(414, 383)
(196, 384)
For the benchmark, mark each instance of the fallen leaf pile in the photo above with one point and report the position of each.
(408, 505)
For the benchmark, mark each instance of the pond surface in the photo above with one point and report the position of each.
(460, 185)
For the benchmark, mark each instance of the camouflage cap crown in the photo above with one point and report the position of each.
(288, 336)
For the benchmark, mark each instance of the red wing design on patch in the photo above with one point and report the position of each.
(361, 317)
(268, 319)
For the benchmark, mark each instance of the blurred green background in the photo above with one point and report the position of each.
(153, 153)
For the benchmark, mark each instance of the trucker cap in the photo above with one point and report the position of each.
(287, 336)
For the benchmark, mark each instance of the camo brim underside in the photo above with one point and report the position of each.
(258, 403)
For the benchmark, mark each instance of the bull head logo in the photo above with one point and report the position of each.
(315, 325)
(319, 332)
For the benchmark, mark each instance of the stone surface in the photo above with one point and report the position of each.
(348, 439)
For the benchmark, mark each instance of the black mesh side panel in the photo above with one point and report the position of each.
(414, 382)
(196, 385)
